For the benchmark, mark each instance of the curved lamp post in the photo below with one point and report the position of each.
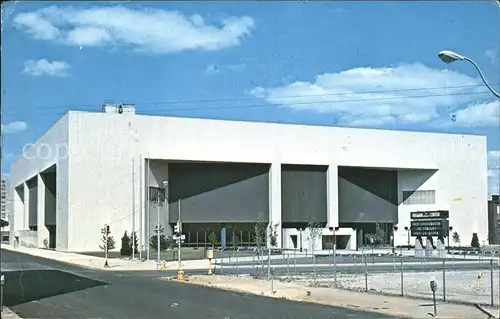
(449, 57)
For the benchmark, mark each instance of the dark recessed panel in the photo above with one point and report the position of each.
(367, 195)
(218, 192)
(303, 194)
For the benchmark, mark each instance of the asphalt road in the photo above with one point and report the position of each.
(42, 288)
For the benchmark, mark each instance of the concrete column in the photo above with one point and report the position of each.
(275, 200)
(18, 213)
(223, 236)
(332, 194)
(43, 232)
(419, 249)
(26, 210)
(428, 248)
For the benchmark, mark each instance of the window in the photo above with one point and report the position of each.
(427, 197)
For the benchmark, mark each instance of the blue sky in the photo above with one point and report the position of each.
(358, 64)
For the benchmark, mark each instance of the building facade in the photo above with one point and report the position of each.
(3, 194)
(4, 211)
(494, 220)
(135, 171)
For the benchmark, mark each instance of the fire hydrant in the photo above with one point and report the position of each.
(163, 265)
(180, 274)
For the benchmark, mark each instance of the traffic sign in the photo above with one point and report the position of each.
(176, 237)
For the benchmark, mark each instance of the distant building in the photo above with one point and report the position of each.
(494, 220)
(92, 169)
(4, 214)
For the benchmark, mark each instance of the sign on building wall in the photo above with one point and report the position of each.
(430, 214)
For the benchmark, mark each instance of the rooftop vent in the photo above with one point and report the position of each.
(118, 108)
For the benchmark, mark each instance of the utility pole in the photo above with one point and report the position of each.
(106, 228)
(158, 226)
(133, 208)
(180, 272)
(165, 188)
(148, 211)
(180, 234)
(141, 225)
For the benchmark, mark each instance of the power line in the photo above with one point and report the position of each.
(277, 104)
(259, 98)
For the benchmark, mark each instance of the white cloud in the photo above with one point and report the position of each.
(14, 127)
(494, 172)
(393, 98)
(45, 67)
(148, 30)
(479, 115)
(493, 57)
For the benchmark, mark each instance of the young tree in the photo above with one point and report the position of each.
(475, 241)
(111, 244)
(125, 249)
(315, 231)
(260, 228)
(135, 241)
(273, 234)
(212, 239)
(456, 238)
(490, 238)
(153, 241)
(235, 241)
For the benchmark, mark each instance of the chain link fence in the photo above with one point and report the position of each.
(469, 280)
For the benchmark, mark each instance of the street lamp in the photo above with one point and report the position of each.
(449, 234)
(394, 230)
(165, 187)
(408, 232)
(449, 57)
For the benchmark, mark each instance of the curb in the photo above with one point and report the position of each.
(9, 314)
(9, 248)
(422, 298)
(352, 307)
(48, 258)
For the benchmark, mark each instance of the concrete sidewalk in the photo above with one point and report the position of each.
(115, 264)
(9, 314)
(118, 264)
(388, 305)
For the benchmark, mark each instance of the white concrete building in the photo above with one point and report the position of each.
(4, 212)
(91, 169)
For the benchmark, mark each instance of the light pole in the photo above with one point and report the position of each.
(2, 281)
(449, 233)
(158, 202)
(408, 233)
(180, 272)
(394, 230)
(449, 57)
